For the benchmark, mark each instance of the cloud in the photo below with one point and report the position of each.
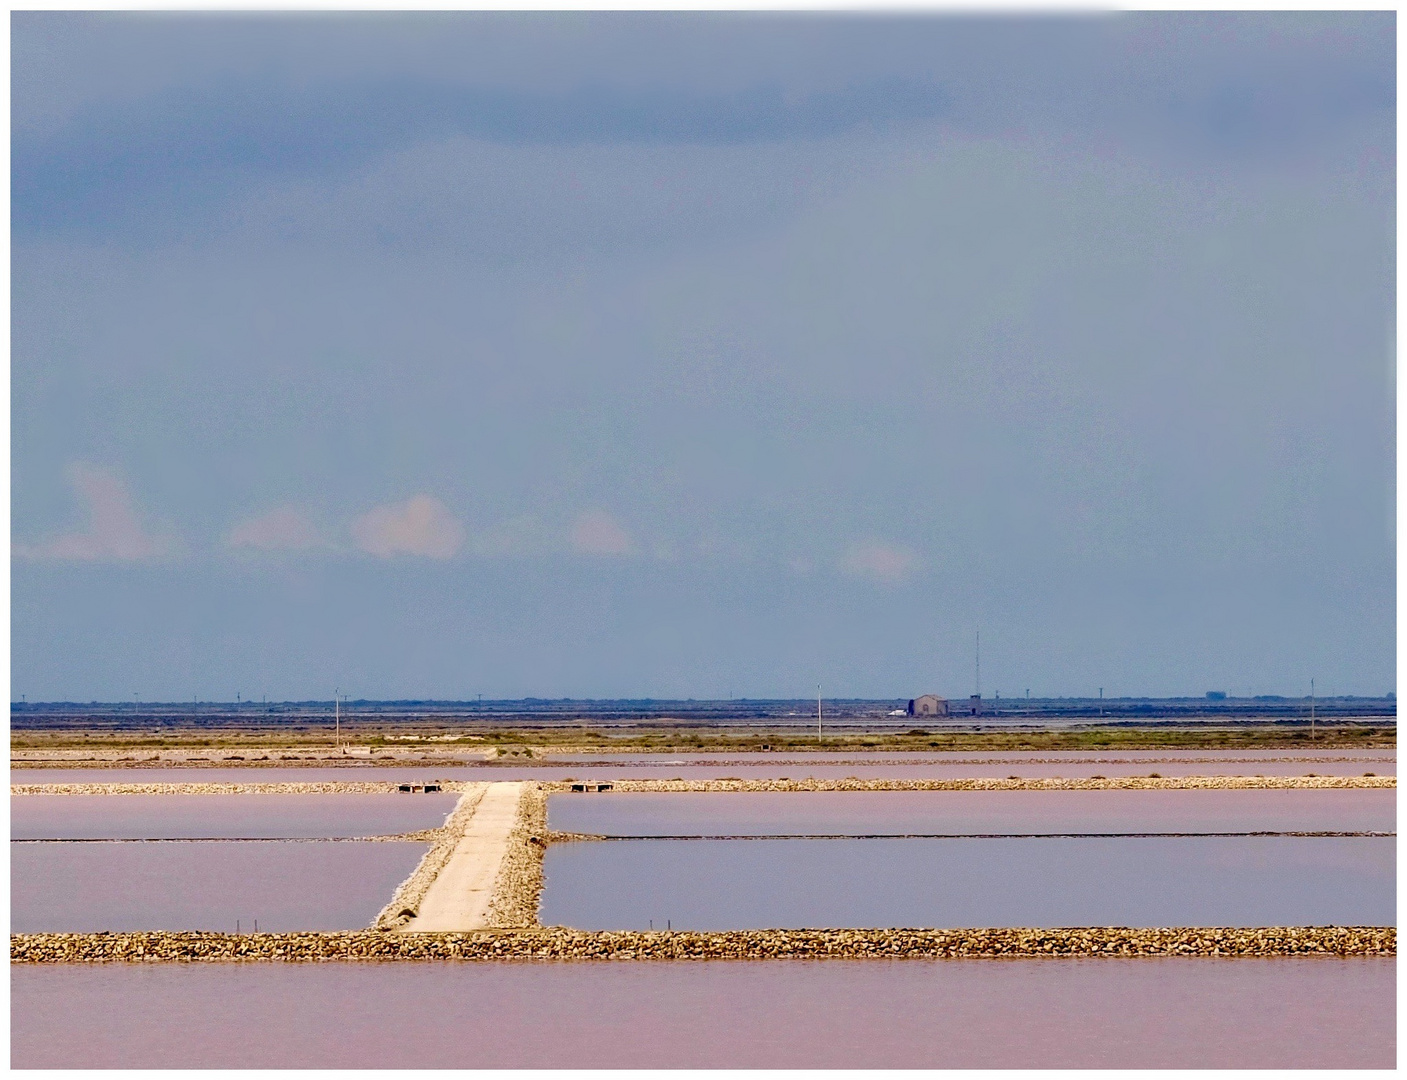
(283, 529)
(419, 526)
(114, 531)
(881, 562)
(595, 532)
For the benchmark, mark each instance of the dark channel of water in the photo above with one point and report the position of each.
(1185, 881)
(1137, 1013)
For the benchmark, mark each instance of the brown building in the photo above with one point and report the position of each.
(928, 705)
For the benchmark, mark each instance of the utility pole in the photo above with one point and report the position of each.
(818, 712)
(1311, 710)
(979, 662)
(337, 713)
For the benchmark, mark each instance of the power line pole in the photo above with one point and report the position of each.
(1311, 710)
(818, 712)
(979, 661)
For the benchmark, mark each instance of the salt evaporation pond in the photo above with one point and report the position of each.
(755, 884)
(854, 813)
(1137, 1013)
(105, 817)
(87, 887)
(897, 766)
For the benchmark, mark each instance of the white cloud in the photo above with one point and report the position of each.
(595, 532)
(881, 562)
(419, 526)
(284, 529)
(114, 530)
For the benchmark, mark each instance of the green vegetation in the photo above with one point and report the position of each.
(432, 740)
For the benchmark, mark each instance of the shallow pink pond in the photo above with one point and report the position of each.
(965, 812)
(250, 816)
(1164, 1013)
(895, 765)
(205, 885)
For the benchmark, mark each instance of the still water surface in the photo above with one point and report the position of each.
(114, 817)
(86, 887)
(853, 813)
(794, 765)
(1144, 1013)
(754, 884)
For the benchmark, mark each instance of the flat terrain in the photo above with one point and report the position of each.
(458, 898)
(374, 743)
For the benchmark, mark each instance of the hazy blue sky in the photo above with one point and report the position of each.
(697, 355)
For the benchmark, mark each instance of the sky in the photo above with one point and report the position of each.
(701, 355)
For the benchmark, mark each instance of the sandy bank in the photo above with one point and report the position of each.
(563, 944)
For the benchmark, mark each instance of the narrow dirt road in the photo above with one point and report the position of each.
(458, 899)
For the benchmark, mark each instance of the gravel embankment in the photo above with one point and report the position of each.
(517, 892)
(405, 901)
(1098, 783)
(327, 787)
(563, 944)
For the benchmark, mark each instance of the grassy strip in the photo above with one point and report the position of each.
(524, 740)
(562, 944)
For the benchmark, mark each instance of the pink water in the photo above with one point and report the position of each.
(893, 765)
(254, 816)
(949, 812)
(1167, 1013)
(755, 884)
(204, 886)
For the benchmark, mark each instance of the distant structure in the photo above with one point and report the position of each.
(928, 705)
(974, 705)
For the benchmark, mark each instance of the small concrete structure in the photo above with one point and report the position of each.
(419, 787)
(928, 705)
(587, 785)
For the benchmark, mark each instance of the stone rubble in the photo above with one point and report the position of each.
(850, 783)
(326, 787)
(1096, 783)
(517, 892)
(556, 943)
